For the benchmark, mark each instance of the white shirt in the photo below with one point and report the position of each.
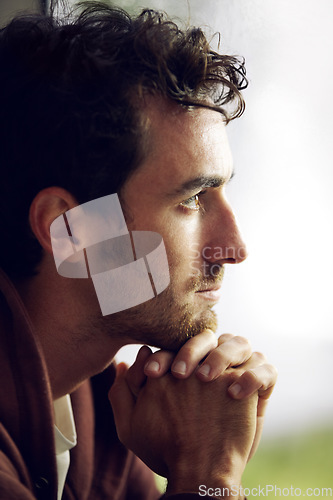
(65, 438)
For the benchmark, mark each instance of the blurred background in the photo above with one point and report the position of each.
(281, 297)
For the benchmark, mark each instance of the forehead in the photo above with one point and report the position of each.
(182, 145)
(184, 148)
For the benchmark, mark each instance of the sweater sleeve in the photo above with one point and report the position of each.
(11, 487)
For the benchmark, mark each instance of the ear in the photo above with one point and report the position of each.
(45, 208)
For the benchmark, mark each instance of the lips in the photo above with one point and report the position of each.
(212, 293)
(210, 289)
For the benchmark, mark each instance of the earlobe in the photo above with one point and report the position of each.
(47, 205)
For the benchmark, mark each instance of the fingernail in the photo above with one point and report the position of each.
(152, 366)
(204, 370)
(235, 389)
(179, 367)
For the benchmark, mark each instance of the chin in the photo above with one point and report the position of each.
(164, 322)
(178, 333)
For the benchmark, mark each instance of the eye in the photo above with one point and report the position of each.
(193, 203)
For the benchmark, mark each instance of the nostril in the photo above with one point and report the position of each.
(230, 261)
(241, 254)
(225, 255)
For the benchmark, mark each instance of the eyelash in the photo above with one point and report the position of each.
(194, 198)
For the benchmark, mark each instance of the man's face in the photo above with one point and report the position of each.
(179, 192)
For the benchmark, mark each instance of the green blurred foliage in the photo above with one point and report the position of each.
(303, 460)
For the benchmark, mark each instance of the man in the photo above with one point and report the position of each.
(94, 106)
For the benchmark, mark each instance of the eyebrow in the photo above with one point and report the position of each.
(201, 182)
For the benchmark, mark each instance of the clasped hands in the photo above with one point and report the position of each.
(195, 416)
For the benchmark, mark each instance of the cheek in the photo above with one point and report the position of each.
(184, 256)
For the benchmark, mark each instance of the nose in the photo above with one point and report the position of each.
(225, 244)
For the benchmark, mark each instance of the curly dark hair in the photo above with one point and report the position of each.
(69, 105)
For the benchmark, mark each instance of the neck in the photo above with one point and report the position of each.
(61, 311)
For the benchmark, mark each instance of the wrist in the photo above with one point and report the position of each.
(222, 484)
(206, 489)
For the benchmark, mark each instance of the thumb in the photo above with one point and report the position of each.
(122, 402)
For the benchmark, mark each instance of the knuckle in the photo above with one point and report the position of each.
(220, 357)
(259, 357)
(241, 341)
(250, 378)
(211, 337)
(199, 344)
(224, 338)
(192, 345)
(145, 349)
(187, 352)
(272, 371)
(162, 355)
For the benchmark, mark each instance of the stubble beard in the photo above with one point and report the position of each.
(166, 322)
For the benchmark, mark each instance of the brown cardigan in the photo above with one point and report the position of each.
(101, 467)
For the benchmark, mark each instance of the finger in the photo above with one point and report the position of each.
(261, 409)
(123, 402)
(261, 378)
(192, 352)
(256, 359)
(224, 337)
(257, 437)
(232, 351)
(159, 363)
(135, 376)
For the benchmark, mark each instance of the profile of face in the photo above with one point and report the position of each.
(179, 192)
(156, 253)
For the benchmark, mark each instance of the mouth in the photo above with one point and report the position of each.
(211, 294)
